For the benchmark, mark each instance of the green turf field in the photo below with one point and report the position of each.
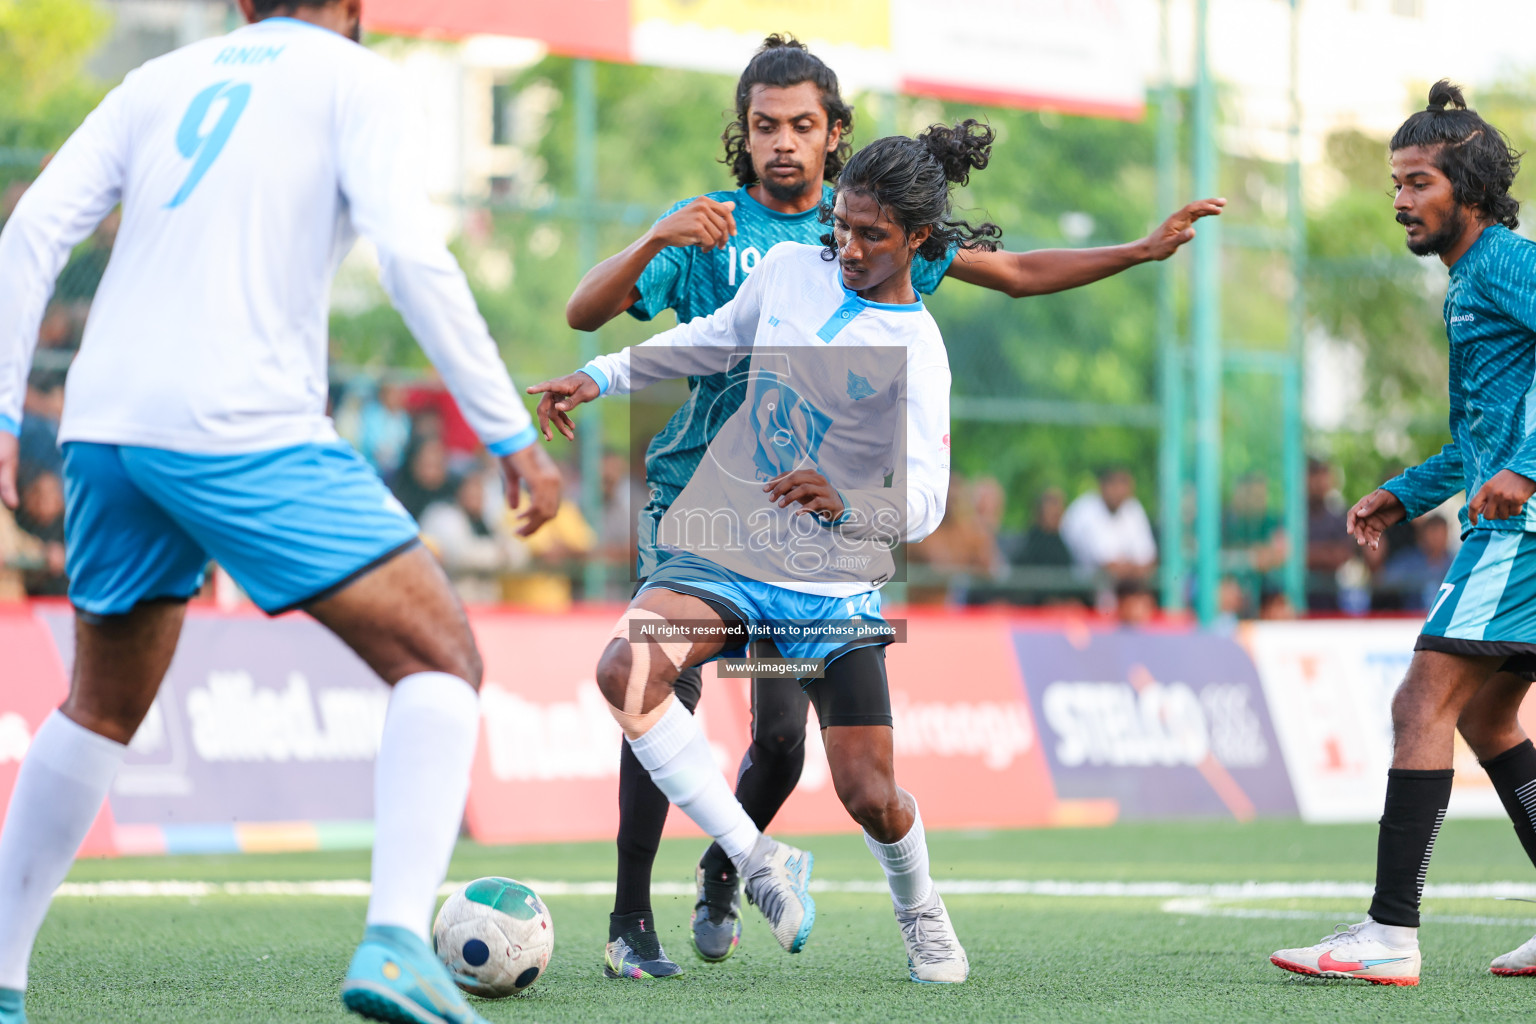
(1185, 954)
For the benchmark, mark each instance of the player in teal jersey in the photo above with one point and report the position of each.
(1476, 656)
(789, 138)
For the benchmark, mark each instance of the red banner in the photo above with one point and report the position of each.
(547, 765)
(599, 29)
(32, 684)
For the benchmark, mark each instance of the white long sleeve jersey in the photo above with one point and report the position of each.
(856, 391)
(246, 166)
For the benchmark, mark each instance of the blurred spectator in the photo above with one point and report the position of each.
(1411, 580)
(1329, 547)
(562, 541)
(1256, 535)
(1275, 604)
(1134, 604)
(617, 530)
(374, 419)
(1107, 530)
(41, 516)
(961, 548)
(457, 435)
(42, 409)
(474, 547)
(1041, 545)
(1231, 605)
(424, 478)
(17, 549)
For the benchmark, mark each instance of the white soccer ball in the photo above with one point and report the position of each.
(495, 935)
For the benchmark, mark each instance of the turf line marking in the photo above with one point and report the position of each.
(356, 887)
(1203, 908)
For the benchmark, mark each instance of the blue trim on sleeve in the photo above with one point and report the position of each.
(516, 443)
(598, 376)
(9, 426)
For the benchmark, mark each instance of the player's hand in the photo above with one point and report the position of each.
(561, 395)
(532, 467)
(1503, 496)
(1166, 238)
(10, 458)
(703, 222)
(810, 489)
(1371, 516)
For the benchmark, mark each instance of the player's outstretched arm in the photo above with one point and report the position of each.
(1044, 271)
(612, 286)
(10, 460)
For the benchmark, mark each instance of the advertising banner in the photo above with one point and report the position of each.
(32, 684)
(1330, 686)
(548, 762)
(1164, 724)
(258, 721)
(1076, 56)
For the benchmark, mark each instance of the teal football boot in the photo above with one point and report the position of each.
(395, 977)
(13, 1008)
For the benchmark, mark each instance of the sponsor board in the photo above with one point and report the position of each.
(1164, 724)
(257, 721)
(32, 684)
(1329, 687)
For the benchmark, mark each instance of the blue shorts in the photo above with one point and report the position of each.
(1487, 604)
(845, 623)
(291, 525)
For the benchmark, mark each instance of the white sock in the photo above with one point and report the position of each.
(420, 783)
(906, 864)
(1395, 935)
(676, 753)
(58, 794)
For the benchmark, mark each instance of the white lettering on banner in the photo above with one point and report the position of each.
(577, 739)
(1112, 724)
(1237, 732)
(14, 737)
(234, 720)
(996, 732)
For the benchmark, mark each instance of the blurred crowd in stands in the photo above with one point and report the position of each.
(1098, 550)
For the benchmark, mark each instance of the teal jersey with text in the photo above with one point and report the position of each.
(694, 283)
(1490, 320)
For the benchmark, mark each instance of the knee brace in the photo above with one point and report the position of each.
(630, 717)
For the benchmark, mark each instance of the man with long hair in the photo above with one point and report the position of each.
(1476, 656)
(789, 140)
(836, 452)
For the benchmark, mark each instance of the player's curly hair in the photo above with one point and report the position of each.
(1472, 153)
(783, 61)
(910, 179)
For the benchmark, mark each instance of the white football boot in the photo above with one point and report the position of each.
(1519, 962)
(934, 953)
(778, 880)
(1356, 951)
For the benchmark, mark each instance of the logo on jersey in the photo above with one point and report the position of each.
(1464, 318)
(858, 387)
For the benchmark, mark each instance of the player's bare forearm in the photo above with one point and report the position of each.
(1044, 271)
(608, 289)
(10, 460)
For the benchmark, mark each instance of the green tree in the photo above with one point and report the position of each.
(44, 91)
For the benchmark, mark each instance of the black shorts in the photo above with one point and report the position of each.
(1519, 658)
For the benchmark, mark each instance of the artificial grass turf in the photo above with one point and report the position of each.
(245, 959)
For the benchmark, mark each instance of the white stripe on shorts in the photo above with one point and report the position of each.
(1485, 588)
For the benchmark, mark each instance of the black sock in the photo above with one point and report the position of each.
(642, 815)
(770, 769)
(1410, 823)
(1513, 774)
(641, 931)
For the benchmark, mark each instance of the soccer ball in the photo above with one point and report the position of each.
(495, 935)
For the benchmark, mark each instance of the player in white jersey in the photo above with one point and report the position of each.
(837, 451)
(194, 428)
